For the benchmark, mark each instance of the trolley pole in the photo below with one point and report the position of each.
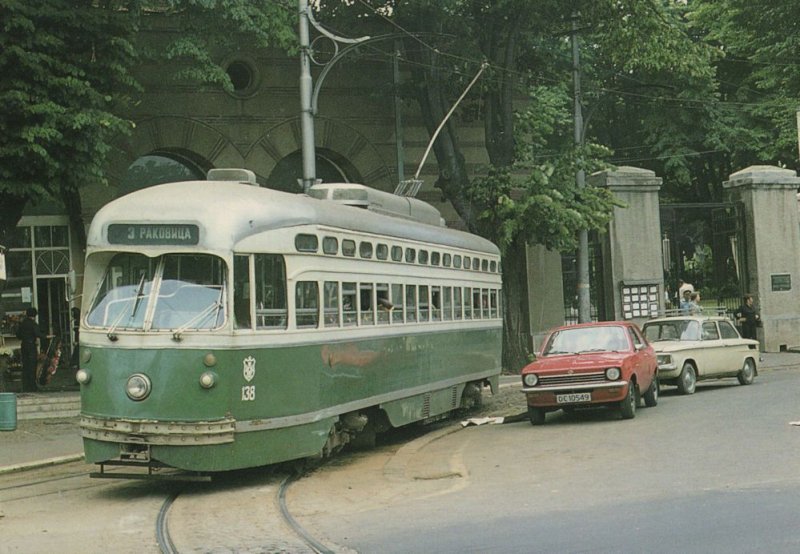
(584, 300)
(306, 113)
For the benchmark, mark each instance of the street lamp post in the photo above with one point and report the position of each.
(306, 114)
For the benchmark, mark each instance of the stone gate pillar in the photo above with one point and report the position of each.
(633, 274)
(772, 246)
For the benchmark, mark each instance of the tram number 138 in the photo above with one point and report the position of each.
(248, 392)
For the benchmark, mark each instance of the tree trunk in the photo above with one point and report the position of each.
(516, 323)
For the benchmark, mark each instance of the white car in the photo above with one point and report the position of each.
(697, 347)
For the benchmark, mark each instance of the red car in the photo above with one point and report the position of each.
(608, 363)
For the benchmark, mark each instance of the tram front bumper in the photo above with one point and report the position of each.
(169, 433)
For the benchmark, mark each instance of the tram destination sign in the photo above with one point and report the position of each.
(153, 233)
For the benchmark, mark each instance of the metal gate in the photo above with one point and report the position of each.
(569, 276)
(704, 244)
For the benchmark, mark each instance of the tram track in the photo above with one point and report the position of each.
(279, 521)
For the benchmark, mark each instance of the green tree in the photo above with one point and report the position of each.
(527, 193)
(67, 82)
(65, 70)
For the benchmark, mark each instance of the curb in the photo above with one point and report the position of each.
(40, 463)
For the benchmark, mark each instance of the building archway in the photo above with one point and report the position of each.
(165, 165)
(331, 168)
(342, 154)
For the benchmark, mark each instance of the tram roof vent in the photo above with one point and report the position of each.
(232, 174)
(377, 201)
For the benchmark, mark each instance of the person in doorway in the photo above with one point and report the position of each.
(694, 304)
(747, 317)
(76, 326)
(29, 333)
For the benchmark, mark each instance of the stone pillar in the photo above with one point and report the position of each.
(772, 243)
(545, 292)
(633, 274)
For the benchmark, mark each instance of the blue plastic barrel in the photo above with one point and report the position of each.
(8, 411)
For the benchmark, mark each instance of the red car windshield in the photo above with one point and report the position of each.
(587, 339)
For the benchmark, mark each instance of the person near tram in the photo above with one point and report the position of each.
(694, 304)
(747, 317)
(30, 335)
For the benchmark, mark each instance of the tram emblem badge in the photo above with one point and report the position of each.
(249, 368)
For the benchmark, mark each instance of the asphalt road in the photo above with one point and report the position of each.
(718, 471)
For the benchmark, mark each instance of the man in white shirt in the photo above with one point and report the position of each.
(682, 286)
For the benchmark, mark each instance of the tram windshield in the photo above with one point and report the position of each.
(175, 292)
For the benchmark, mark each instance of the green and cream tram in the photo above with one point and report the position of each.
(228, 326)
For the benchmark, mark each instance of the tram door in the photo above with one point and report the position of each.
(54, 316)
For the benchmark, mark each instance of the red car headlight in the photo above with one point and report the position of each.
(613, 373)
(530, 379)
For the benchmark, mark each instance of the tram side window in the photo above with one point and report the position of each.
(348, 248)
(331, 299)
(467, 262)
(423, 256)
(330, 245)
(366, 305)
(493, 267)
(365, 249)
(381, 251)
(476, 303)
(306, 304)
(270, 277)
(397, 303)
(241, 292)
(424, 303)
(447, 260)
(411, 255)
(457, 261)
(457, 306)
(436, 303)
(435, 257)
(306, 243)
(494, 310)
(397, 254)
(447, 304)
(383, 304)
(411, 303)
(349, 306)
(467, 303)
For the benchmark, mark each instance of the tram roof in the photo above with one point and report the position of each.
(229, 212)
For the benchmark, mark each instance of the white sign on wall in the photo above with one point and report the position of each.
(2, 266)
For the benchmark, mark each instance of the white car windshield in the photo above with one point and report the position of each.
(170, 292)
(673, 330)
(587, 339)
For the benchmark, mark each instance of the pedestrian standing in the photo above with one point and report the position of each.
(683, 286)
(694, 303)
(748, 317)
(29, 333)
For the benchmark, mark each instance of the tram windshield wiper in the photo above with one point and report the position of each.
(135, 304)
(212, 308)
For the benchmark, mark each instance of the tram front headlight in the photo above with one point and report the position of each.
(208, 379)
(83, 376)
(138, 387)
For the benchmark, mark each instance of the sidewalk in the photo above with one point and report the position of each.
(41, 442)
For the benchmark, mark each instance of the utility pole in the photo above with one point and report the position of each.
(306, 113)
(584, 300)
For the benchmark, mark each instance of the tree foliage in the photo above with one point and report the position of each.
(68, 82)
